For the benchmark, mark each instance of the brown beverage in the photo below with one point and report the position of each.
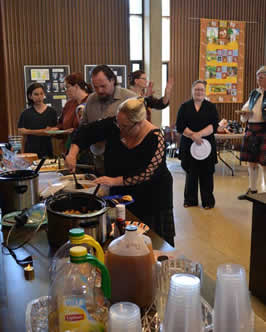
(131, 278)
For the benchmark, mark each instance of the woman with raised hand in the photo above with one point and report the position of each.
(139, 84)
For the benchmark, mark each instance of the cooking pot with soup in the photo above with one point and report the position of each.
(71, 210)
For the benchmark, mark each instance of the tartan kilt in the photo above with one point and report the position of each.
(259, 130)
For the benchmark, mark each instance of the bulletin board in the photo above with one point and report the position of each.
(119, 70)
(222, 52)
(52, 78)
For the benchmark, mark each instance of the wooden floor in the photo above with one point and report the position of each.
(220, 235)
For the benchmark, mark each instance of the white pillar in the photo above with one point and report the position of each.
(153, 49)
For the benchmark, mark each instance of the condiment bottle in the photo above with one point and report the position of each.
(120, 220)
(74, 305)
(130, 267)
(77, 236)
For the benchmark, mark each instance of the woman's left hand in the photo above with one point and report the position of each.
(109, 181)
(196, 137)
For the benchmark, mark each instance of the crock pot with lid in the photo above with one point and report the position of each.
(18, 190)
(92, 216)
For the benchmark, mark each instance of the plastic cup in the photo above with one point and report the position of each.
(165, 269)
(232, 308)
(124, 316)
(183, 310)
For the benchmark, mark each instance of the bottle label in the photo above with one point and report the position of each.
(74, 316)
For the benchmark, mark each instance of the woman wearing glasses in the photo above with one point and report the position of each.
(135, 164)
(139, 84)
(197, 119)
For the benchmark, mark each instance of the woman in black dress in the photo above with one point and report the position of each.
(198, 119)
(35, 121)
(135, 164)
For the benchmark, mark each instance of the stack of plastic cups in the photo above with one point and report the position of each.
(124, 316)
(162, 285)
(183, 310)
(232, 308)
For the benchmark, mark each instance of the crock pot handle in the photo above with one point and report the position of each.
(21, 189)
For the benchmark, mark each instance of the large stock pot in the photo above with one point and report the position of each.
(92, 218)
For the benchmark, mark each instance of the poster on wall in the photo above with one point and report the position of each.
(222, 51)
(52, 78)
(119, 70)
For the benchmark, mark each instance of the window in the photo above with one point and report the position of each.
(136, 34)
(165, 55)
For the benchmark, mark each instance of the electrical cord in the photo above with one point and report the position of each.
(20, 222)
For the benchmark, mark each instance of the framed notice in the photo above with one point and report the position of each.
(119, 70)
(222, 52)
(52, 78)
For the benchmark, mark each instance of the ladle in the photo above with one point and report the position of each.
(39, 165)
(77, 184)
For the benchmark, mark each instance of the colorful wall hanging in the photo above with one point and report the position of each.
(222, 50)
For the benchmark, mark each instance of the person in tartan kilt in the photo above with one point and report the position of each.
(253, 148)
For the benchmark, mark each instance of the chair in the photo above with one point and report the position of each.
(172, 139)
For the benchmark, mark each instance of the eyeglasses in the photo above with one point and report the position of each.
(199, 90)
(68, 86)
(143, 78)
(262, 74)
(124, 127)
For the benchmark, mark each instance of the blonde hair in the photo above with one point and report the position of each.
(134, 109)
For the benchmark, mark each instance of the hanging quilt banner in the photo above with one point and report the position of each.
(222, 51)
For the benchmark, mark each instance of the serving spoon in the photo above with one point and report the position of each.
(77, 184)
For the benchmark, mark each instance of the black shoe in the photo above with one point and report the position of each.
(208, 207)
(186, 205)
(241, 197)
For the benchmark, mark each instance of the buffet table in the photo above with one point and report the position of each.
(224, 142)
(16, 292)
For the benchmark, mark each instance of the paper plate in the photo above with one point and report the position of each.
(36, 214)
(142, 228)
(55, 132)
(118, 199)
(202, 151)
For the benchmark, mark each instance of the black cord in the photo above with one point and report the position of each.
(20, 221)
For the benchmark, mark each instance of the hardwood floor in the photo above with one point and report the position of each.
(220, 235)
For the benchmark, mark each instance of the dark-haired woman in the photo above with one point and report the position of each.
(139, 84)
(77, 91)
(35, 121)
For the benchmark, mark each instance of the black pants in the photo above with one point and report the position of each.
(205, 182)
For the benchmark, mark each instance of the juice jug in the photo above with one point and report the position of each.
(74, 304)
(130, 267)
(77, 236)
(148, 243)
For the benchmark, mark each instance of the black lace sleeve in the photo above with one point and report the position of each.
(155, 162)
